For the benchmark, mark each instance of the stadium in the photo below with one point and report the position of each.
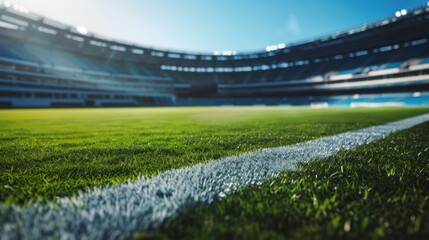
(385, 61)
(108, 139)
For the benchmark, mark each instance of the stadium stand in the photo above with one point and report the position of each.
(44, 63)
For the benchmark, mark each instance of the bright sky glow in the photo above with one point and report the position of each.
(221, 25)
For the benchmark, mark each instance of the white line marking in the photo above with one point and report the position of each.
(117, 212)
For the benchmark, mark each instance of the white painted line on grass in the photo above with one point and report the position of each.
(117, 212)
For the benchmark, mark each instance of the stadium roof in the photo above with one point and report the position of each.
(221, 27)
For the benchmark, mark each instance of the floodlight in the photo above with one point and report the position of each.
(417, 94)
(82, 30)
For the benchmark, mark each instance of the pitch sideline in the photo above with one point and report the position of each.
(116, 212)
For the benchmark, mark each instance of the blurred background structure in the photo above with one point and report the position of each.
(45, 63)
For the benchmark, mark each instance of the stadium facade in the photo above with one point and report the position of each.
(44, 63)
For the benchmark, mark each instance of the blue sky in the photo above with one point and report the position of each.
(208, 25)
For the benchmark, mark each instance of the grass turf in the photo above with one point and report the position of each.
(375, 191)
(50, 153)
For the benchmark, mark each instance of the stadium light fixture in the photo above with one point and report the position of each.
(225, 53)
(417, 94)
(275, 47)
(82, 30)
(16, 7)
(398, 14)
(403, 12)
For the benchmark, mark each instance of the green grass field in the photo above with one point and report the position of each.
(378, 190)
(57, 152)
